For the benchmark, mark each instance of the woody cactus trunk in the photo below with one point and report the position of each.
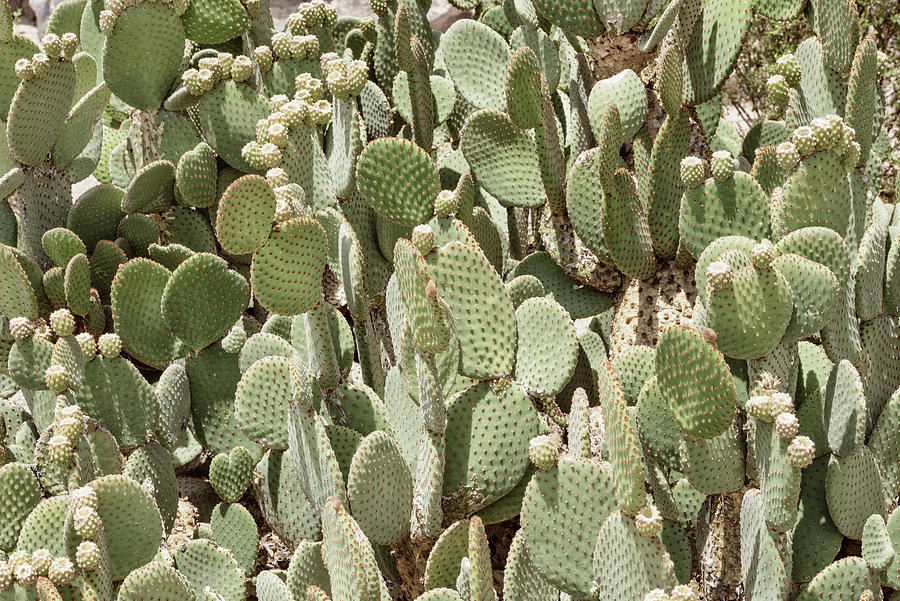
(510, 311)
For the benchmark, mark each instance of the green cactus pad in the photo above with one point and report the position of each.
(155, 581)
(815, 290)
(476, 57)
(313, 458)
(136, 296)
(142, 55)
(19, 493)
(425, 313)
(628, 565)
(521, 580)
(382, 514)
(621, 442)
(713, 465)
(282, 501)
(16, 291)
(213, 375)
(286, 272)
(703, 402)
(870, 266)
(195, 176)
(38, 111)
(625, 228)
(711, 47)
(261, 401)
(473, 476)
(481, 310)
(503, 159)
(307, 568)
(230, 474)
(844, 409)
(215, 21)
(659, 431)
(737, 206)
(853, 490)
(578, 301)
(664, 186)
(117, 395)
(844, 580)
(451, 546)
(547, 347)
(227, 116)
(203, 299)
(78, 128)
(816, 194)
(814, 531)
(885, 445)
(153, 462)
(349, 557)
(576, 16)
(556, 499)
(77, 285)
(207, 565)
(399, 180)
(131, 523)
(627, 92)
(233, 528)
(95, 214)
(764, 567)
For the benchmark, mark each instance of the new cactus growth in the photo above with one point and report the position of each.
(392, 299)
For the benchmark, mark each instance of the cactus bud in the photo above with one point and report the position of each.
(278, 135)
(191, 80)
(88, 345)
(41, 560)
(6, 576)
(787, 425)
(762, 254)
(107, 22)
(24, 69)
(693, 172)
(87, 556)
(85, 497)
(241, 68)
(26, 575)
(110, 345)
(709, 335)
(207, 79)
(423, 238)
(718, 273)
(544, 451)
(270, 155)
(281, 45)
(648, 521)
(52, 45)
(722, 165)
(851, 156)
(445, 204)
(234, 340)
(657, 594)
(805, 140)
(57, 378)
(17, 558)
(62, 322)
(21, 328)
(87, 522)
(252, 7)
(683, 592)
(70, 428)
(787, 156)
(379, 7)
(60, 449)
(62, 571)
(264, 58)
(69, 44)
(801, 451)
(788, 66)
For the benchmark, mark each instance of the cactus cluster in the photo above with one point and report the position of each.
(509, 311)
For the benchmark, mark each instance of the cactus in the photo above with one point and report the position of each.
(400, 298)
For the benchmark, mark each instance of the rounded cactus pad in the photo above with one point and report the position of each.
(235, 529)
(451, 546)
(245, 215)
(142, 54)
(19, 494)
(547, 347)
(348, 557)
(481, 309)
(504, 158)
(38, 110)
(152, 190)
(380, 489)
(215, 21)
(425, 313)
(209, 567)
(155, 581)
(131, 523)
(286, 273)
(203, 299)
(577, 491)
(136, 295)
(476, 57)
(626, 90)
(523, 88)
(262, 399)
(854, 491)
(229, 474)
(483, 463)
(195, 176)
(694, 378)
(17, 298)
(399, 180)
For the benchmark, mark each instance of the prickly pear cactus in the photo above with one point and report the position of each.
(354, 310)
